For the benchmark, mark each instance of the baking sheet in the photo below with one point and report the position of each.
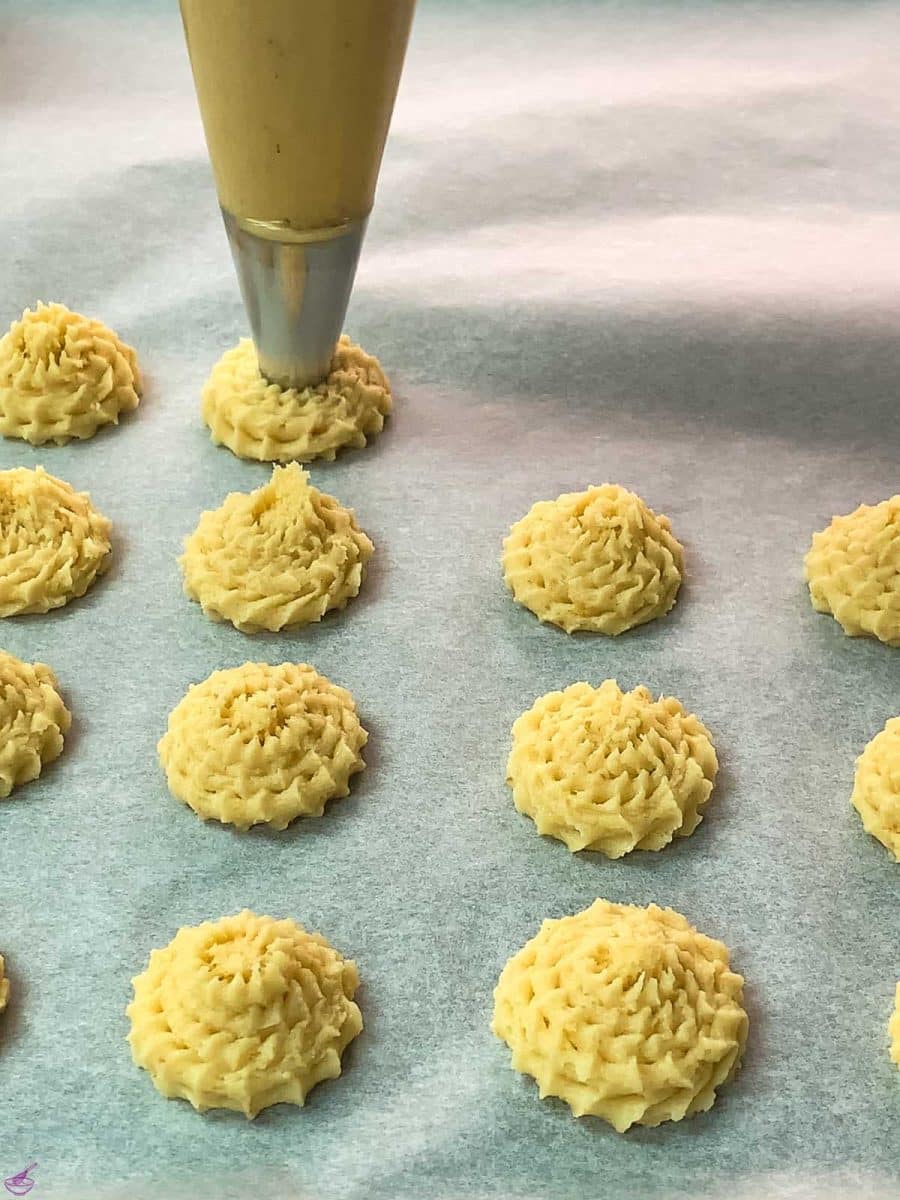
(655, 245)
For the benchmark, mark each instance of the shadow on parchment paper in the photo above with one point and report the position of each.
(824, 378)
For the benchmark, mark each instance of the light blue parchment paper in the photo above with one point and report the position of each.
(656, 245)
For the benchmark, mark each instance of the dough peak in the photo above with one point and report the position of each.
(282, 555)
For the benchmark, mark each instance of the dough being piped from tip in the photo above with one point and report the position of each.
(259, 420)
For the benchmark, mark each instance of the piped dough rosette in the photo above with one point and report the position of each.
(63, 376)
(243, 1013)
(53, 542)
(602, 769)
(259, 743)
(598, 560)
(853, 571)
(33, 721)
(876, 787)
(625, 1013)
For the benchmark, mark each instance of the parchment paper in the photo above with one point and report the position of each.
(656, 245)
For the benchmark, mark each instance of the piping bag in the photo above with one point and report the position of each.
(296, 97)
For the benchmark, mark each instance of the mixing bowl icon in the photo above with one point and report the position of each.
(21, 1184)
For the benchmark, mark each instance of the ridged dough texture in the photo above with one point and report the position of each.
(876, 787)
(853, 571)
(282, 555)
(33, 721)
(258, 743)
(598, 560)
(4, 986)
(243, 1013)
(894, 1028)
(257, 419)
(53, 542)
(63, 376)
(626, 1013)
(602, 769)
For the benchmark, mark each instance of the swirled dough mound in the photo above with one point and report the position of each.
(33, 721)
(625, 1013)
(243, 1013)
(283, 555)
(258, 419)
(53, 542)
(63, 376)
(894, 1028)
(876, 787)
(598, 560)
(4, 986)
(262, 744)
(853, 571)
(607, 770)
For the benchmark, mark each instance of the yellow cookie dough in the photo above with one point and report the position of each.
(63, 376)
(258, 419)
(4, 986)
(33, 721)
(625, 1013)
(876, 787)
(260, 744)
(53, 542)
(894, 1028)
(598, 560)
(242, 1013)
(853, 571)
(283, 555)
(607, 770)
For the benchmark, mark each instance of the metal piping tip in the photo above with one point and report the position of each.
(296, 287)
